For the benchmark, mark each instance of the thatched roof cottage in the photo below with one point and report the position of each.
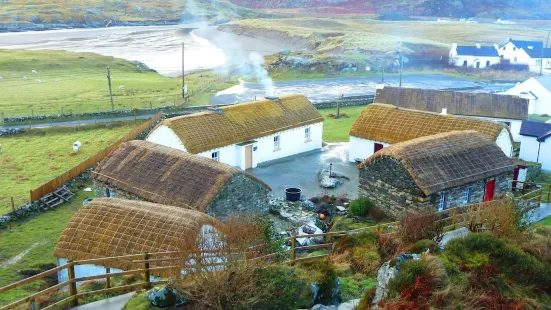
(380, 125)
(117, 227)
(506, 109)
(247, 134)
(441, 171)
(152, 172)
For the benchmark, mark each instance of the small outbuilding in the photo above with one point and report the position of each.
(507, 109)
(535, 143)
(248, 134)
(117, 227)
(381, 125)
(147, 171)
(441, 171)
(537, 91)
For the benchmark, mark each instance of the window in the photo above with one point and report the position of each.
(109, 193)
(515, 59)
(478, 64)
(443, 203)
(378, 147)
(487, 64)
(215, 156)
(464, 63)
(504, 48)
(538, 62)
(514, 48)
(307, 133)
(467, 194)
(276, 142)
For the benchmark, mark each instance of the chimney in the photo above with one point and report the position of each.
(380, 85)
(444, 111)
(477, 45)
(496, 46)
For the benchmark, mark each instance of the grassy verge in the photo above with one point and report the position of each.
(336, 130)
(39, 237)
(36, 157)
(82, 85)
(539, 117)
(546, 221)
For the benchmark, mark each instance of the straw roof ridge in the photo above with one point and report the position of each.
(447, 160)
(109, 227)
(200, 132)
(391, 124)
(457, 103)
(165, 175)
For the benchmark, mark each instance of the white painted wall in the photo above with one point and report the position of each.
(361, 149)
(292, 142)
(529, 147)
(165, 136)
(545, 155)
(509, 51)
(539, 106)
(504, 142)
(459, 60)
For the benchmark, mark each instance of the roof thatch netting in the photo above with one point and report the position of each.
(457, 103)
(115, 227)
(389, 124)
(242, 122)
(165, 175)
(447, 160)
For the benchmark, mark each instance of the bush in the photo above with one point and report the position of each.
(418, 226)
(388, 246)
(360, 206)
(353, 287)
(407, 274)
(501, 217)
(417, 278)
(422, 245)
(285, 289)
(323, 274)
(367, 298)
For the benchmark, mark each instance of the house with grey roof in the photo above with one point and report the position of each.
(538, 91)
(536, 143)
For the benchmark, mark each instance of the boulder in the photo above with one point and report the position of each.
(309, 205)
(309, 229)
(387, 273)
(166, 297)
(331, 179)
(349, 305)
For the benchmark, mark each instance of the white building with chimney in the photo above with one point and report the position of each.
(479, 57)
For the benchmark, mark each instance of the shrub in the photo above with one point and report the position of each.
(428, 273)
(366, 259)
(376, 213)
(354, 240)
(501, 217)
(422, 245)
(388, 246)
(407, 274)
(355, 286)
(418, 226)
(360, 206)
(285, 289)
(322, 273)
(367, 298)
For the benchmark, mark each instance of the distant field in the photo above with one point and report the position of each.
(83, 84)
(29, 160)
(336, 130)
(349, 34)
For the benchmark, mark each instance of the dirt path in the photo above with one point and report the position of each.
(19, 256)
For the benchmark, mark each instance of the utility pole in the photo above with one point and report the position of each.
(110, 90)
(339, 106)
(183, 75)
(401, 68)
(543, 52)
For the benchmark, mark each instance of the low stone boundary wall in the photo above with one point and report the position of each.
(350, 101)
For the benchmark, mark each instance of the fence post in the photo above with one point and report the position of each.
(549, 194)
(33, 305)
(72, 285)
(108, 279)
(147, 273)
(293, 250)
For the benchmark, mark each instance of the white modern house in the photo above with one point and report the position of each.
(510, 110)
(381, 125)
(529, 53)
(536, 143)
(248, 134)
(479, 57)
(537, 91)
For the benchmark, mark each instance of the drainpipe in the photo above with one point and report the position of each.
(539, 148)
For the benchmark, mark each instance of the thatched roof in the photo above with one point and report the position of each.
(165, 175)
(114, 227)
(447, 160)
(457, 103)
(389, 124)
(242, 122)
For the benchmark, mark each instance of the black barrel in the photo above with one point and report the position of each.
(293, 194)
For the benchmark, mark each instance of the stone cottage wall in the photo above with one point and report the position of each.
(100, 189)
(389, 186)
(241, 195)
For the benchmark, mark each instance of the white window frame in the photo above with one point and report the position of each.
(443, 202)
(215, 155)
(277, 142)
(307, 133)
(467, 194)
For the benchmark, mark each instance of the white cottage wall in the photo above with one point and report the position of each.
(81, 271)
(226, 154)
(545, 155)
(166, 136)
(539, 106)
(504, 142)
(360, 149)
(529, 148)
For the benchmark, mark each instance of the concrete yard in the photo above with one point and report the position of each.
(302, 172)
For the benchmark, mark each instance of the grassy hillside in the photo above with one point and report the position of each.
(103, 11)
(83, 83)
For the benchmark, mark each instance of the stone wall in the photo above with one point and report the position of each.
(389, 185)
(346, 102)
(101, 191)
(533, 171)
(240, 195)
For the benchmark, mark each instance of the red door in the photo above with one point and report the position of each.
(490, 188)
(378, 147)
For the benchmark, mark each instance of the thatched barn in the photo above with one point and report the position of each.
(440, 171)
(152, 172)
(506, 109)
(380, 125)
(116, 227)
(247, 134)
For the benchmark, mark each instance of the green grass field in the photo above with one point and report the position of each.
(36, 239)
(336, 130)
(83, 86)
(32, 159)
(546, 221)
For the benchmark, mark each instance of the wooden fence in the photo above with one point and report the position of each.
(59, 181)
